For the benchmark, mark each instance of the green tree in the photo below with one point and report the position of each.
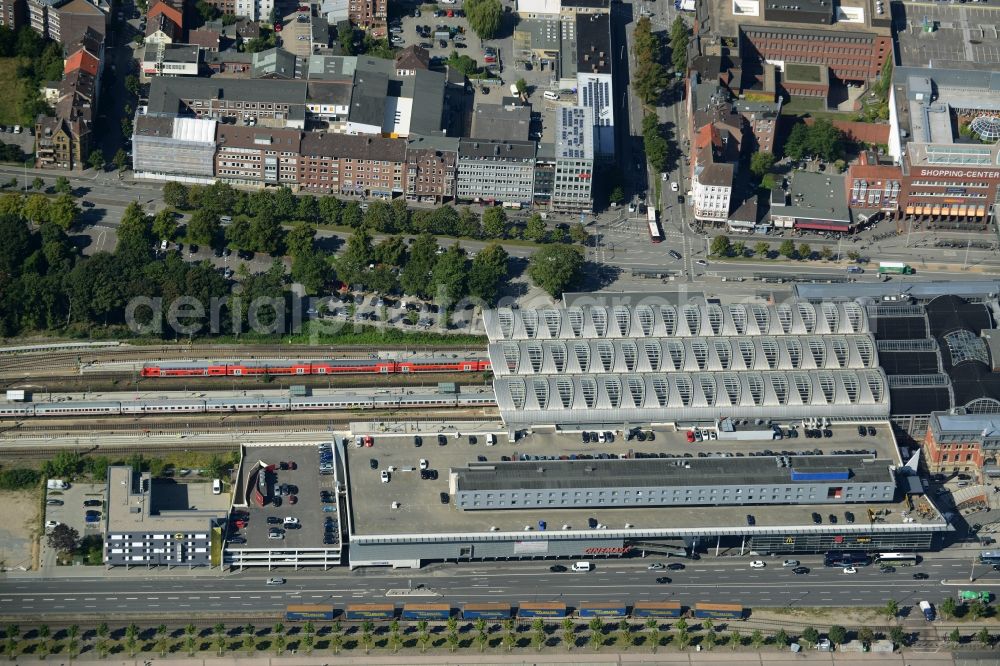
(797, 142)
(161, 640)
(984, 638)
(787, 248)
(891, 609)
(395, 640)
(709, 640)
(679, 45)
(121, 160)
(488, 272)
(37, 184)
(165, 225)
(810, 635)
(495, 222)
(535, 229)
(781, 639)
(220, 637)
(826, 253)
(509, 638)
(312, 271)
(190, 639)
(948, 607)
(72, 644)
(423, 635)
(485, 17)
(416, 276)
(757, 639)
(450, 274)
(249, 638)
(897, 636)
(735, 639)
(538, 633)
(12, 635)
(463, 64)
(739, 249)
(329, 210)
(368, 635)
(351, 215)
(266, 234)
(379, 217)
(617, 195)
(62, 185)
(175, 194)
(625, 637)
(96, 159)
(721, 246)
(347, 45)
(653, 629)
(336, 637)
(568, 629)
(204, 228)
(36, 208)
(555, 268)
(761, 163)
(481, 628)
(391, 251)
(132, 639)
(977, 609)
(101, 646)
(805, 251)
(955, 636)
(866, 635)
(838, 634)
(63, 212)
(45, 645)
(280, 640)
(359, 254)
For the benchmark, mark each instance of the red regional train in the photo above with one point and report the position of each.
(277, 367)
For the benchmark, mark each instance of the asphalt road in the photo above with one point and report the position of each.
(729, 580)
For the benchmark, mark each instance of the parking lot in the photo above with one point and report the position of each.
(309, 513)
(73, 512)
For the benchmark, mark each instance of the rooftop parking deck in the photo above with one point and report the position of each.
(427, 507)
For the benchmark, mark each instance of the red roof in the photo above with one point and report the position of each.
(83, 61)
(171, 13)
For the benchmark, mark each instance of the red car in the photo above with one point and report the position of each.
(690, 436)
(277, 27)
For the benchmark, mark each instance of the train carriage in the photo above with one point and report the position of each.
(69, 408)
(247, 404)
(162, 406)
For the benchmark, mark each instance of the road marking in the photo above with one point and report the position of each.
(70, 599)
(214, 597)
(43, 599)
(85, 599)
(131, 598)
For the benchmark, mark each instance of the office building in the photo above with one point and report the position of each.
(496, 172)
(372, 166)
(574, 167)
(257, 156)
(963, 442)
(140, 529)
(595, 86)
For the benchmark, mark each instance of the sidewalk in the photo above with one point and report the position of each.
(405, 658)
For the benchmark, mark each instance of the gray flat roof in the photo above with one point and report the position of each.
(130, 506)
(546, 474)
(165, 92)
(498, 122)
(815, 196)
(421, 514)
(918, 290)
(964, 36)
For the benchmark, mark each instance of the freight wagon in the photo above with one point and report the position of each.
(719, 611)
(488, 611)
(431, 612)
(665, 609)
(616, 610)
(542, 609)
(362, 612)
(309, 613)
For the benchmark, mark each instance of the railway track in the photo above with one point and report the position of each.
(21, 364)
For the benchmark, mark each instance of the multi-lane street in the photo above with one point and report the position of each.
(726, 579)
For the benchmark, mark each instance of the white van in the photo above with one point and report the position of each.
(581, 566)
(56, 484)
(491, 439)
(549, 94)
(216, 487)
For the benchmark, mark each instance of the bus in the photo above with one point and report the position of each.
(846, 558)
(899, 559)
(654, 228)
(989, 557)
(895, 267)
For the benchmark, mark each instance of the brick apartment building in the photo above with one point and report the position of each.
(354, 165)
(872, 187)
(431, 168)
(257, 156)
(368, 14)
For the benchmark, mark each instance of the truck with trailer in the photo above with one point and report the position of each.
(309, 613)
(430, 612)
(971, 595)
(657, 609)
(928, 610)
(543, 609)
(894, 268)
(602, 609)
(487, 611)
(362, 612)
(706, 611)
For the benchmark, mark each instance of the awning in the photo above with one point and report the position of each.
(981, 211)
(937, 210)
(962, 210)
(909, 210)
(822, 226)
(918, 210)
